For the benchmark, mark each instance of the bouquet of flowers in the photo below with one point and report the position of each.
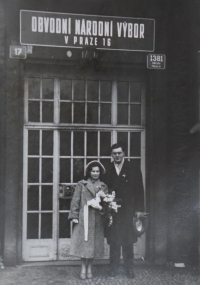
(109, 204)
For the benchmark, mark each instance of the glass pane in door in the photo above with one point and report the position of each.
(65, 143)
(122, 138)
(65, 170)
(34, 88)
(65, 89)
(46, 225)
(47, 198)
(34, 111)
(33, 226)
(105, 143)
(64, 226)
(78, 169)
(135, 144)
(33, 198)
(78, 143)
(47, 88)
(92, 141)
(33, 142)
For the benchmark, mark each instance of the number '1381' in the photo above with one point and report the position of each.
(154, 57)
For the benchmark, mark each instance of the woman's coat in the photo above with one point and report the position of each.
(94, 247)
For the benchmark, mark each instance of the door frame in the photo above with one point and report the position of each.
(49, 249)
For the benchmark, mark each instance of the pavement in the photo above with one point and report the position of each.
(60, 275)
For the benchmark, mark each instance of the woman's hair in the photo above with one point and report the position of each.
(89, 169)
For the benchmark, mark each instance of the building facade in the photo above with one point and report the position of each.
(83, 85)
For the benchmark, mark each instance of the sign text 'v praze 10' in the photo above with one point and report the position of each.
(77, 31)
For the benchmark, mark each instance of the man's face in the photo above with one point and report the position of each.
(118, 155)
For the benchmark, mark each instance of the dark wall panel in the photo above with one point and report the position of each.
(182, 241)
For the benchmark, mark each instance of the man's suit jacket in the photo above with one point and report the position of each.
(128, 187)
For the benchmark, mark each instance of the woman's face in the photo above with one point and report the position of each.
(95, 172)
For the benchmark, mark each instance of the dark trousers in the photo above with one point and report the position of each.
(127, 252)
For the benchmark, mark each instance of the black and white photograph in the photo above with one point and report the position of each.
(100, 142)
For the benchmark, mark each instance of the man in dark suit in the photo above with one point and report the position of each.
(125, 179)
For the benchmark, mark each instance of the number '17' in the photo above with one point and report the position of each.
(18, 51)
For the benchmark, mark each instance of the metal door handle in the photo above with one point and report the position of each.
(66, 191)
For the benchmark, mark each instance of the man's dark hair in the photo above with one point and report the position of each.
(117, 145)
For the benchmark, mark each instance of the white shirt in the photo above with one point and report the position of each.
(119, 166)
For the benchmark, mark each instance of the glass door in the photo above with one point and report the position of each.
(69, 122)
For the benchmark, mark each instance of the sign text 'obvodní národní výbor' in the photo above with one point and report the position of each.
(81, 31)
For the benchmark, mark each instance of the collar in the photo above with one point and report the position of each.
(89, 181)
(90, 185)
(120, 164)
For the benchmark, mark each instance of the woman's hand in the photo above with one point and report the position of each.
(95, 204)
(75, 221)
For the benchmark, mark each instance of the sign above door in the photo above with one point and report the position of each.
(51, 29)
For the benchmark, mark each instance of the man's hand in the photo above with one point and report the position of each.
(141, 214)
(75, 221)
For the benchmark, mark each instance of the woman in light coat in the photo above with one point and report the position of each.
(85, 191)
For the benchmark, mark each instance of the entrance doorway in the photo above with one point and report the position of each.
(70, 121)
